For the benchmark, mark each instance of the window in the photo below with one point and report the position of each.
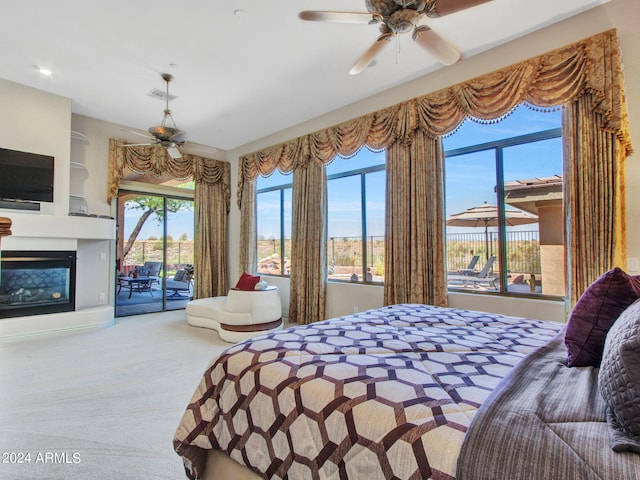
(273, 207)
(504, 199)
(355, 223)
(155, 240)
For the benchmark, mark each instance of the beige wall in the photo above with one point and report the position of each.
(552, 249)
(619, 14)
(38, 122)
(551, 224)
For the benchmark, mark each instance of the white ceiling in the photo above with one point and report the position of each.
(238, 78)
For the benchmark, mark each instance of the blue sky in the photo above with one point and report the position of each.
(177, 224)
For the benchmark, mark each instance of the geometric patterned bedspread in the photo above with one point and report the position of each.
(387, 393)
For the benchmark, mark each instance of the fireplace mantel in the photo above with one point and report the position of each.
(92, 238)
(27, 225)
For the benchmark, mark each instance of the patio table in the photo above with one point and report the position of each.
(140, 284)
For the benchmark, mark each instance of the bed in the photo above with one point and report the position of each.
(390, 393)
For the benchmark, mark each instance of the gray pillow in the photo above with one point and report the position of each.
(619, 380)
(179, 276)
(142, 271)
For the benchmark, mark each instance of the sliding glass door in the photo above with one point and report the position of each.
(155, 252)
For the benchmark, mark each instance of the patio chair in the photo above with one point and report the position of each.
(470, 268)
(181, 282)
(153, 269)
(483, 276)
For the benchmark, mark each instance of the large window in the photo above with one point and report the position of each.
(273, 208)
(505, 226)
(355, 223)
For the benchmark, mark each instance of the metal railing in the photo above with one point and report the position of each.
(178, 253)
(523, 250)
(345, 253)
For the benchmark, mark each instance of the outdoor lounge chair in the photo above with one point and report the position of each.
(466, 271)
(484, 276)
(181, 282)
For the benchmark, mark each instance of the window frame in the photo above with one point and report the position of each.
(361, 172)
(281, 189)
(498, 147)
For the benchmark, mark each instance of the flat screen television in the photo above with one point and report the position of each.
(26, 176)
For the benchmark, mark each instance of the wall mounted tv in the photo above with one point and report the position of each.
(26, 176)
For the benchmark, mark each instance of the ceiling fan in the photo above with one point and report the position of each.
(166, 134)
(399, 16)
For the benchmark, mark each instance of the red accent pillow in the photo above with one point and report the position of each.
(595, 312)
(247, 282)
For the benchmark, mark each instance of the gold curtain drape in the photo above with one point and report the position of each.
(155, 160)
(248, 233)
(211, 204)
(210, 216)
(594, 197)
(308, 245)
(414, 233)
(553, 79)
(591, 66)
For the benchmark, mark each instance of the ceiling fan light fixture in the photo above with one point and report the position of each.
(403, 21)
(164, 133)
(167, 131)
(435, 45)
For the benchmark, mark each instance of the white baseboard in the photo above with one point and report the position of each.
(33, 325)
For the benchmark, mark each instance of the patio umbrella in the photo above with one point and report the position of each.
(487, 216)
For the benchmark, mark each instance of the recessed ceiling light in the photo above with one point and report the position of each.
(47, 72)
(239, 12)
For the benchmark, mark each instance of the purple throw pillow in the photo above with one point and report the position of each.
(594, 314)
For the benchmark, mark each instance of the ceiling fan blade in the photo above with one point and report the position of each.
(338, 17)
(138, 144)
(446, 7)
(178, 137)
(138, 133)
(371, 53)
(435, 45)
(174, 152)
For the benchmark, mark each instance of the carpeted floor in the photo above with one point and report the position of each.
(100, 404)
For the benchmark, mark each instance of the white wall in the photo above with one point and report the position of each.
(619, 14)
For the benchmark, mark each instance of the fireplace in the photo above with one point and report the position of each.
(37, 282)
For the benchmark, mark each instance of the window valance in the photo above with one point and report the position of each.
(590, 66)
(155, 160)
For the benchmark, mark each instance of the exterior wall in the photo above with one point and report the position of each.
(552, 250)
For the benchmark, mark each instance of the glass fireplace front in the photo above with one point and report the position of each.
(37, 282)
